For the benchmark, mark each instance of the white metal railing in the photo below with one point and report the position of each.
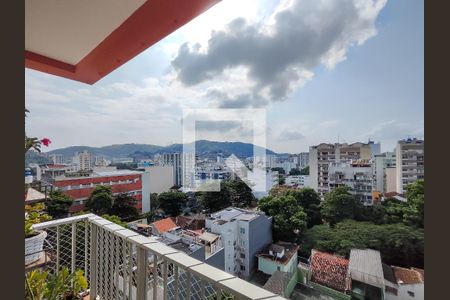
(122, 264)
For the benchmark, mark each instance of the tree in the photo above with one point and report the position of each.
(281, 180)
(172, 202)
(114, 219)
(415, 195)
(125, 207)
(240, 193)
(101, 200)
(279, 170)
(289, 219)
(398, 244)
(304, 171)
(214, 201)
(295, 171)
(339, 204)
(58, 204)
(309, 199)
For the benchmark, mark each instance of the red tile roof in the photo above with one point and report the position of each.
(164, 225)
(409, 276)
(329, 270)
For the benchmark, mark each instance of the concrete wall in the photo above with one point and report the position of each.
(402, 292)
(146, 202)
(269, 266)
(217, 260)
(260, 236)
(391, 180)
(161, 178)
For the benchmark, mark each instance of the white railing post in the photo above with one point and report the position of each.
(177, 288)
(155, 276)
(93, 264)
(165, 271)
(86, 244)
(141, 274)
(74, 246)
(57, 249)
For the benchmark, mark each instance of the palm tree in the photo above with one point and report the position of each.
(32, 143)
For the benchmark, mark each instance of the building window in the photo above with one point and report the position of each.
(242, 230)
(242, 268)
(242, 255)
(391, 290)
(411, 294)
(278, 268)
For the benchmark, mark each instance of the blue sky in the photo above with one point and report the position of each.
(364, 80)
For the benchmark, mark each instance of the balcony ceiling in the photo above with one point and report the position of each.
(85, 40)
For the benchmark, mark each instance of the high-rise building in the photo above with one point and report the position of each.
(322, 155)
(303, 161)
(409, 162)
(174, 160)
(84, 161)
(57, 159)
(357, 174)
(381, 163)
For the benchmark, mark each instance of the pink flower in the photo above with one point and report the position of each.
(45, 142)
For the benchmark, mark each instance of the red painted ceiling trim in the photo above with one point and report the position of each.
(150, 23)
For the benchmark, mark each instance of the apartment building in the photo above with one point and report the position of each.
(84, 161)
(409, 162)
(322, 155)
(244, 234)
(357, 174)
(300, 160)
(300, 181)
(57, 159)
(383, 164)
(120, 181)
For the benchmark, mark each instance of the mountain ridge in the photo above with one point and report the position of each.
(204, 148)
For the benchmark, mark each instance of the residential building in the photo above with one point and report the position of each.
(381, 163)
(281, 256)
(390, 182)
(301, 181)
(53, 171)
(163, 226)
(409, 162)
(244, 234)
(84, 161)
(362, 276)
(174, 160)
(120, 181)
(356, 174)
(365, 270)
(322, 155)
(403, 283)
(304, 160)
(57, 159)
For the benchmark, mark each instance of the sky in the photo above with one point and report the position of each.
(322, 70)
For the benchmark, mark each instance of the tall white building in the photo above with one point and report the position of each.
(303, 161)
(357, 174)
(409, 162)
(381, 162)
(57, 159)
(322, 155)
(244, 233)
(84, 161)
(174, 160)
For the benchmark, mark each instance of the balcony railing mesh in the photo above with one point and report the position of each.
(121, 264)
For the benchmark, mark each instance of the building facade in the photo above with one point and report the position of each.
(80, 188)
(322, 155)
(381, 163)
(409, 163)
(57, 159)
(356, 174)
(244, 234)
(84, 161)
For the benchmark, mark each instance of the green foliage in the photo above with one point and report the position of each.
(101, 200)
(398, 244)
(63, 285)
(240, 193)
(214, 201)
(114, 219)
(339, 205)
(58, 204)
(172, 202)
(415, 194)
(34, 214)
(289, 219)
(281, 180)
(294, 171)
(304, 171)
(124, 207)
(279, 170)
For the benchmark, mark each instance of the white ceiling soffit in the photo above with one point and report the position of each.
(67, 30)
